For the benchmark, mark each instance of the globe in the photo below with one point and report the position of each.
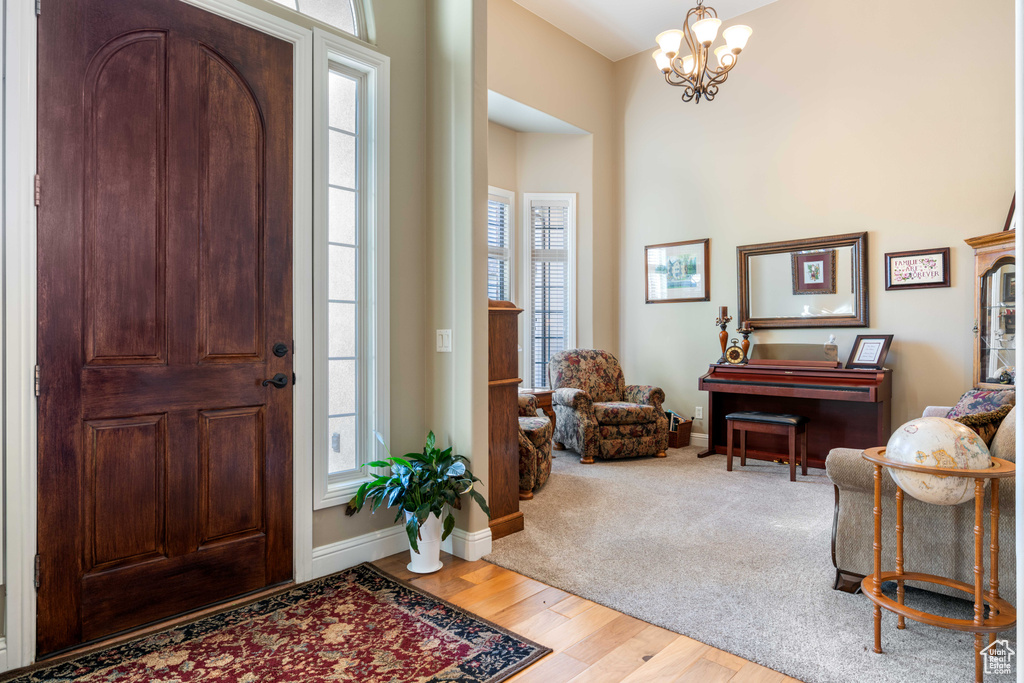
(937, 442)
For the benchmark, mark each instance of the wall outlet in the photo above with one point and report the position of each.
(698, 413)
(444, 341)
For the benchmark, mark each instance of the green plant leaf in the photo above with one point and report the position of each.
(422, 512)
(377, 463)
(412, 530)
(481, 502)
(449, 524)
(430, 440)
(456, 470)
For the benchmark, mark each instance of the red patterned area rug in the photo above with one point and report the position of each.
(360, 625)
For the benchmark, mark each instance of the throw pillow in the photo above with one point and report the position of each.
(982, 401)
(986, 424)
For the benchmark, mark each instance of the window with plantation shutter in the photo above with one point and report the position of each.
(550, 300)
(499, 244)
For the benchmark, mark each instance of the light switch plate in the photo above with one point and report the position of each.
(444, 341)
(698, 413)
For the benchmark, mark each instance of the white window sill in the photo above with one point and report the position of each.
(339, 494)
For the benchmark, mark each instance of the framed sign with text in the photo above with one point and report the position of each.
(917, 269)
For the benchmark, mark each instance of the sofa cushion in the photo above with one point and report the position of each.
(536, 429)
(620, 413)
(982, 401)
(629, 431)
(985, 424)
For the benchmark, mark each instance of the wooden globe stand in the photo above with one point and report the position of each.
(1002, 615)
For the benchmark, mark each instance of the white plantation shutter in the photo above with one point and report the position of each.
(499, 246)
(551, 298)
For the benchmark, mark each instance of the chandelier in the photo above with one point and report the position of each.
(692, 72)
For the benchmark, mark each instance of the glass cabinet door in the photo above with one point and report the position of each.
(997, 324)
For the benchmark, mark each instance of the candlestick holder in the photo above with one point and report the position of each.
(746, 332)
(723, 336)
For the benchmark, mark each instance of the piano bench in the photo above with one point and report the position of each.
(792, 426)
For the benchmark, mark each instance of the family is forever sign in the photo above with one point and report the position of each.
(911, 270)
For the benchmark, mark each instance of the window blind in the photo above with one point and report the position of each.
(499, 249)
(549, 275)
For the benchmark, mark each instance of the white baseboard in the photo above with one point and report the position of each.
(3, 654)
(697, 439)
(376, 545)
(469, 545)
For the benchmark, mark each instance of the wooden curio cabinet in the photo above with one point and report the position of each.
(995, 310)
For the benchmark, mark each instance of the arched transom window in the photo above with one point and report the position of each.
(338, 13)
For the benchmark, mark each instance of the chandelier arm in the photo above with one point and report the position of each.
(682, 82)
(688, 34)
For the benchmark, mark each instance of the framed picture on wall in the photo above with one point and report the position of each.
(678, 271)
(869, 352)
(814, 272)
(919, 269)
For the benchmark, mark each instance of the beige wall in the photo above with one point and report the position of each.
(502, 164)
(538, 65)
(456, 249)
(541, 162)
(834, 121)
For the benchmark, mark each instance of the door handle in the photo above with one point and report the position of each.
(280, 380)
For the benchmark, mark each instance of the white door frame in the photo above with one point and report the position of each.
(20, 319)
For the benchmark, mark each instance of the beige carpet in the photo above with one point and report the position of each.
(740, 560)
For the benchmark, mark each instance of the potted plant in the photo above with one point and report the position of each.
(421, 485)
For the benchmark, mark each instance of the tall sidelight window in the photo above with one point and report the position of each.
(350, 264)
(341, 14)
(550, 248)
(500, 244)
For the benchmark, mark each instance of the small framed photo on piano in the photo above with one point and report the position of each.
(869, 352)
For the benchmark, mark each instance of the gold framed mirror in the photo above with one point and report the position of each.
(814, 282)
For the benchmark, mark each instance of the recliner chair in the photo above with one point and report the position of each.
(598, 414)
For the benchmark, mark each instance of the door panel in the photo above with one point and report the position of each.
(125, 174)
(231, 444)
(232, 222)
(164, 462)
(125, 463)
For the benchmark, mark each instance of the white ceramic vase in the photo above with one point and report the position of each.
(428, 559)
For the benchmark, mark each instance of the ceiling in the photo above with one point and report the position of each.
(515, 115)
(621, 28)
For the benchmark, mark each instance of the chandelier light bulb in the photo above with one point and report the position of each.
(669, 42)
(736, 37)
(725, 56)
(688, 65)
(706, 30)
(664, 63)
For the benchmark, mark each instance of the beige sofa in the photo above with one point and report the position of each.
(937, 539)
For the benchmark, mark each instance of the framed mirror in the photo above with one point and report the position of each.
(815, 282)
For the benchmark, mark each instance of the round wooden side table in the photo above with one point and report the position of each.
(1002, 615)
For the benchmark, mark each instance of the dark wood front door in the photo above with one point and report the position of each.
(165, 469)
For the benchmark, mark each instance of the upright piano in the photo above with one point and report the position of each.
(845, 408)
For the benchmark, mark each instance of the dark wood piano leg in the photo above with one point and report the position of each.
(743, 448)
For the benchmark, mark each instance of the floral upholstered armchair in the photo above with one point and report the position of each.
(598, 415)
(534, 447)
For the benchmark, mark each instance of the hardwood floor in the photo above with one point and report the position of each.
(591, 643)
